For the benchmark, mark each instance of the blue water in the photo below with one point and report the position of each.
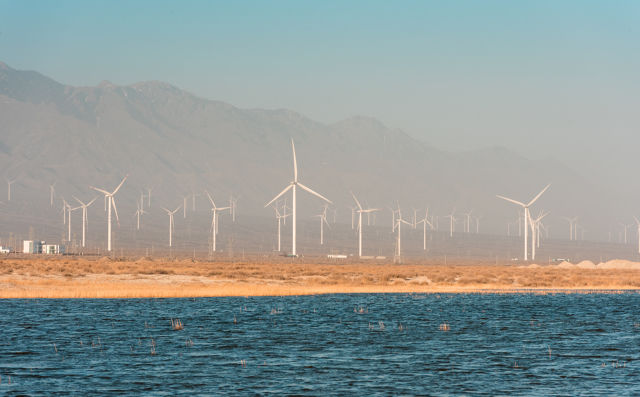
(324, 345)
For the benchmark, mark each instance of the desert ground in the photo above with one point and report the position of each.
(80, 277)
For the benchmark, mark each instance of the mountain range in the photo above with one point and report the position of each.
(176, 143)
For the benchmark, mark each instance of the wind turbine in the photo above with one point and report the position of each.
(638, 225)
(535, 232)
(572, 225)
(361, 211)
(452, 223)
(171, 213)
(425, 222)
(214, 219)
(477, 219)
(139, 211)
(109, 197)
(69, 211)
(323, 220)
(9, 183)
(149, 197)
(293, 185)
(625, 227)
(279, 217)
(184, 205)
(84, 216)
(526, 216)
(399, 222)
(467, 224)
(52, 191)
(233, 204)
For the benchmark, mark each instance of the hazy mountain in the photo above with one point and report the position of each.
(175, 142)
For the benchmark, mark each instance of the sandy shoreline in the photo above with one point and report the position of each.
(68, 277)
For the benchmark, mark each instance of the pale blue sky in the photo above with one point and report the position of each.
(544, 77)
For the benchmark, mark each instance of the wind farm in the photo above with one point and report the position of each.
(319, 198)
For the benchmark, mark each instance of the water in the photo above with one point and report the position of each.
(323, 345)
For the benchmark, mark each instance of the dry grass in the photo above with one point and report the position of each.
(69, 277)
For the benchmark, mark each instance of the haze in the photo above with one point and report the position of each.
(554, 84)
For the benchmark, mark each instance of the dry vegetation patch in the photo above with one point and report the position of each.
(145, 277)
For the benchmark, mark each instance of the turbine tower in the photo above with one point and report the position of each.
(109, 197)
(84, 216)
(526, 216)
(361, 211)
(52, 191)
(214, 219)
(638, 224)
(9, 183)
(171, 213)
(292, 186)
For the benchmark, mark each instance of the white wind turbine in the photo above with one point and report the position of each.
(9, 183)
(233, 205)
(214, 219)
(84, 216)
(184, 205)
(139, 211)
(477, 219)
(467, 223)
(625, 227)
(638, 225)
(109, 197)
(361, 211)
(293, 185)
(149, 197)
(171, 224)
(526, 216)
(69, 211)
(280, 217)
(399, 222)
(572, 227)
(425, 222)
(323, 220)
(535, 232)
(452, 222)
(52, 191)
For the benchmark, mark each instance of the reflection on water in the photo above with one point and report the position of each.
(318, 345)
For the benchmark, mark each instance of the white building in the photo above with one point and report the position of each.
(40, 247)
(32, 246)
(52, 249)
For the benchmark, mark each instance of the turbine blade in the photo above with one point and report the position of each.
(539, 194)
(357, 202)
(120, 185)
(279, 194)
(115, 210)
(314, 193)
(211, 199)
(100, 190)
(510, 200)
(91, 202)
(295, 162)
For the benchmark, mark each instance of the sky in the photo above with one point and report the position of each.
(544, 78)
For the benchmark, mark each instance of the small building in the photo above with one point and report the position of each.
(32, 246)
(52, 249)
(41, 247)
(4, 250)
